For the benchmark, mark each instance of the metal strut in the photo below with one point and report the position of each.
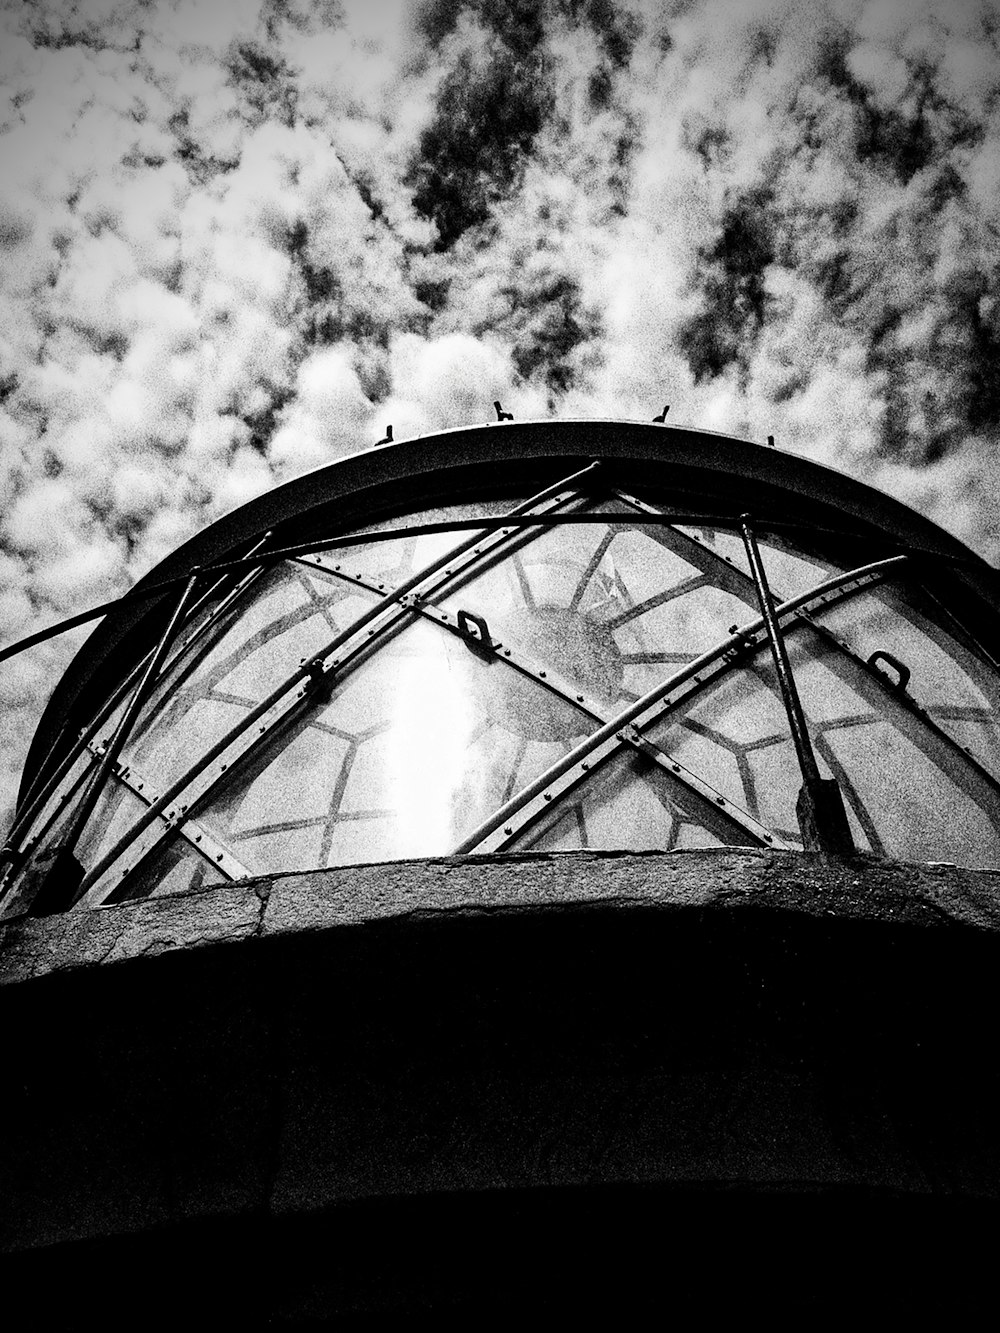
(820, 806)
(40, 792)
(634, 712)
(293, 688)
(64, 874)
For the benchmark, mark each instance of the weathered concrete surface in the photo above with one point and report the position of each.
(861, 889)
(445, 1067)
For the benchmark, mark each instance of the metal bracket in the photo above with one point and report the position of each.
(480, 642)
(902, 671)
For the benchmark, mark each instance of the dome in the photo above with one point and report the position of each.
(525, 637)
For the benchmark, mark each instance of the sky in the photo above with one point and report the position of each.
(239, 238)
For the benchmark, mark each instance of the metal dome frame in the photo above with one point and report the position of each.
(711, 478)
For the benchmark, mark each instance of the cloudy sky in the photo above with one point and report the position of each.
(237, 238)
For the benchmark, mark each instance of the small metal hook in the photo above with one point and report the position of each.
(482, 640)
(903, 672)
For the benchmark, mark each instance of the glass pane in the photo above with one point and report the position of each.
(734, 735)
(790, 568)
(396, 560)
(294, 615)
(117, 810)
(422, 741)
(175, 867)
(924, 801)
(614, 611)
(629, 803)
(959, 690)
(276, 849)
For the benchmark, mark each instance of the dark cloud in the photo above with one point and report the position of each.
(730, 278)
(488, 112)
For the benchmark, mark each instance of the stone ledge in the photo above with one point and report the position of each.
(859, 888)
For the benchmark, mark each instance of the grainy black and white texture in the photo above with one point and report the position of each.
(237, 239)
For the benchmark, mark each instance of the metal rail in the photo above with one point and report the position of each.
(61, 885)
(202, 840)
(275, 708)
(962, 758)
(820, 808)
(547, 677)
(734, 643)
(42, 791)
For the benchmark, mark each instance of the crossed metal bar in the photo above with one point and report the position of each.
(723, 655)
(581, 757)
(961, 761)
(275, 708)
(548, 678)
(44, 800)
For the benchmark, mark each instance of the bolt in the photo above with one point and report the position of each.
(508, 829)
(548, 796)
(542, 674)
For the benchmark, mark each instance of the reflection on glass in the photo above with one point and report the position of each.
(411, 751)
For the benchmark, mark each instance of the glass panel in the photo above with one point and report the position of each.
(790, 569)
(924, 801)
(175, 867)
(615, 611)
(422, 742)
(277, 849)
(734, 736)
(959, 690)
(630, 803)
(294, 615)
(394, 561)
(116, 811)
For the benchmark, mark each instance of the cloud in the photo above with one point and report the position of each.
(238, 239)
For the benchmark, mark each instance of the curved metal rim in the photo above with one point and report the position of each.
(429, 465)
